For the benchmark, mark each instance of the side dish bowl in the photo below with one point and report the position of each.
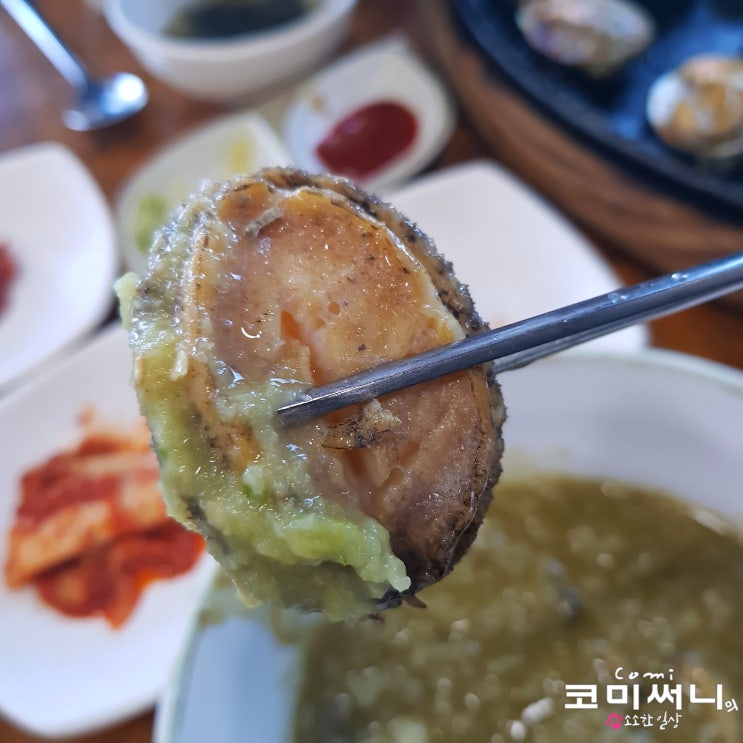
(65, 262)
(228, 146)
(656, 419)
(327, 107)
(226, 69)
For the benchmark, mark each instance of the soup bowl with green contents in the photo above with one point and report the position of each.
(601, 601)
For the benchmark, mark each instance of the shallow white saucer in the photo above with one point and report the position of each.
(518, 255)
(59, 232)
(384, 71)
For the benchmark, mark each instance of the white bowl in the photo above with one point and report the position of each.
(657, 419)
(231, 68)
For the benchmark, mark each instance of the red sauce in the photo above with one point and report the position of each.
(8, 272)
(368, 138)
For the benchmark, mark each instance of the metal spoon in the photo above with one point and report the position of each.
(521, 343)
(99, 103)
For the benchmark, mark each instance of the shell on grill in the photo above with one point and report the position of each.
(596, 36)
(698, 107)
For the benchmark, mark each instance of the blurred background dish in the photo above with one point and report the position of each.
(617, 417)
(585, 143)
(377, 115)
(611, 112)
(58, 234)
(65, 676)
(518, 256)
(240, 143)
(210, 65)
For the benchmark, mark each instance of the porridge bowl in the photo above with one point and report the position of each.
(600, 600)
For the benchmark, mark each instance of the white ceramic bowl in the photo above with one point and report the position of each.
(232, 68)
(657, 419)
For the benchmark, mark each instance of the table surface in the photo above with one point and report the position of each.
(33, 96)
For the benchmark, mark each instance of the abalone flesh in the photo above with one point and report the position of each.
(259, 288)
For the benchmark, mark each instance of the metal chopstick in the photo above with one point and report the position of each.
(520, 343)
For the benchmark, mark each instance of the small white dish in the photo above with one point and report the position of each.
(239, 143)
(598, 415)
(517, 254)
(380, 72)
(60, 233)
(59, 676)
(228, 68)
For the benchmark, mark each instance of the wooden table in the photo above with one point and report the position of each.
(33, 96)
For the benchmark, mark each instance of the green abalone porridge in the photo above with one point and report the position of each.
(575, 593)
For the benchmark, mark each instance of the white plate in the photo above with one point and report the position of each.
(240, 143)
(62, 676)
(60, 234)
(615, 415)
(385, 71)
(516, 253)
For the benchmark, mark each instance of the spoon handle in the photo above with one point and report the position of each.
(522, 342)
(54, 49)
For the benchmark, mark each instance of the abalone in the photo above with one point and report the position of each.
(261, 287)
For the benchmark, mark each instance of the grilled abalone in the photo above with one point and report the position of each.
(597, 36)
(266, 285)
(698, 108)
